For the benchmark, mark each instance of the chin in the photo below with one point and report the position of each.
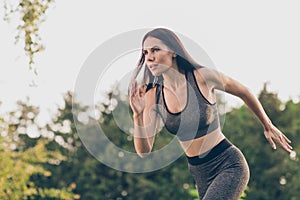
(157, 74)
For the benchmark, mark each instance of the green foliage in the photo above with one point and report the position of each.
(194, 193)
(274, 174)
(17, 168)
(60, 167)
(94, 180)
(20, 162)
(31, 14)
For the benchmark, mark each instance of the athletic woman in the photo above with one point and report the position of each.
(183, 94)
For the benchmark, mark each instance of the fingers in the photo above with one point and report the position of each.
(141, 91)
(136, 91)
(281, 139)
(285, 146)
(271, 142)
(284, 142)
(133, 88)
(287, 139)
(289, 147)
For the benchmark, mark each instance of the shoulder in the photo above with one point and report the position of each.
(206, 75)
(220, 81)
(210, 77)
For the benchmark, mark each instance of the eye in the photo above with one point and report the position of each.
(154, 49)
(144, 52)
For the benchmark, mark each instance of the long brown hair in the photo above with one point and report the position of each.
(169, 38)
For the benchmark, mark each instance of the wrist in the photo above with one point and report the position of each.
(267, 125)
(137, 115)
(138, 119)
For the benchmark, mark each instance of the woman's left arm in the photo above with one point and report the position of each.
(222, 82)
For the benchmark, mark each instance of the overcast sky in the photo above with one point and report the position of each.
(251, 41)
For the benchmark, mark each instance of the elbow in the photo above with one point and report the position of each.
(142, 148)
(143, 154)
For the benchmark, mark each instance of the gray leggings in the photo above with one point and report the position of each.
(222, 174)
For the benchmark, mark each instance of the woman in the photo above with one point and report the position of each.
(182, 93)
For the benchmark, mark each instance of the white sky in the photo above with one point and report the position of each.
(251, 41)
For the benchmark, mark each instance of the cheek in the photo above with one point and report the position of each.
(166, 59)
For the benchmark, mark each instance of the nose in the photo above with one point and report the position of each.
(150, 56)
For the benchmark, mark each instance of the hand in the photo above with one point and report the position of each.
(137, 98)
(274, 134)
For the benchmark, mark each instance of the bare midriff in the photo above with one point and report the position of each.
(203, 144)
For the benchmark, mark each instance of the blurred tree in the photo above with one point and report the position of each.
(63, 165)
(271, 103)
(30, 14)
(21, 159)
(273, 173)
(92, 179)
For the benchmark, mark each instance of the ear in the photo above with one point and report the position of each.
(174, 55)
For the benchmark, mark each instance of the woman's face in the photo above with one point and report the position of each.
(158, 57)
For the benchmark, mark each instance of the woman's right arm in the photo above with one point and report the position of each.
(144, 118)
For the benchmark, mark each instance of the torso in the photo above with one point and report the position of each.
(203, 144)
(176, 102)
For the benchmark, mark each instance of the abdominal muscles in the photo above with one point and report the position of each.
(203, 144)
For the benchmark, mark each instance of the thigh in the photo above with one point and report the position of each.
(201, 178)
(232, 179)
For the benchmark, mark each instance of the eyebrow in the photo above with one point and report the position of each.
(155, 46)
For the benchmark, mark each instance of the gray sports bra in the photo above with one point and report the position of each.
(198, 118)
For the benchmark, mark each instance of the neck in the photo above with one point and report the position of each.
(173, 79)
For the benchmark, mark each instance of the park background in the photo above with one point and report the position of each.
(41, 154)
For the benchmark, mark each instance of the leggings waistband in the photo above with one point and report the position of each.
(205, 157)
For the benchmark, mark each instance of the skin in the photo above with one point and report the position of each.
(160, 61)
